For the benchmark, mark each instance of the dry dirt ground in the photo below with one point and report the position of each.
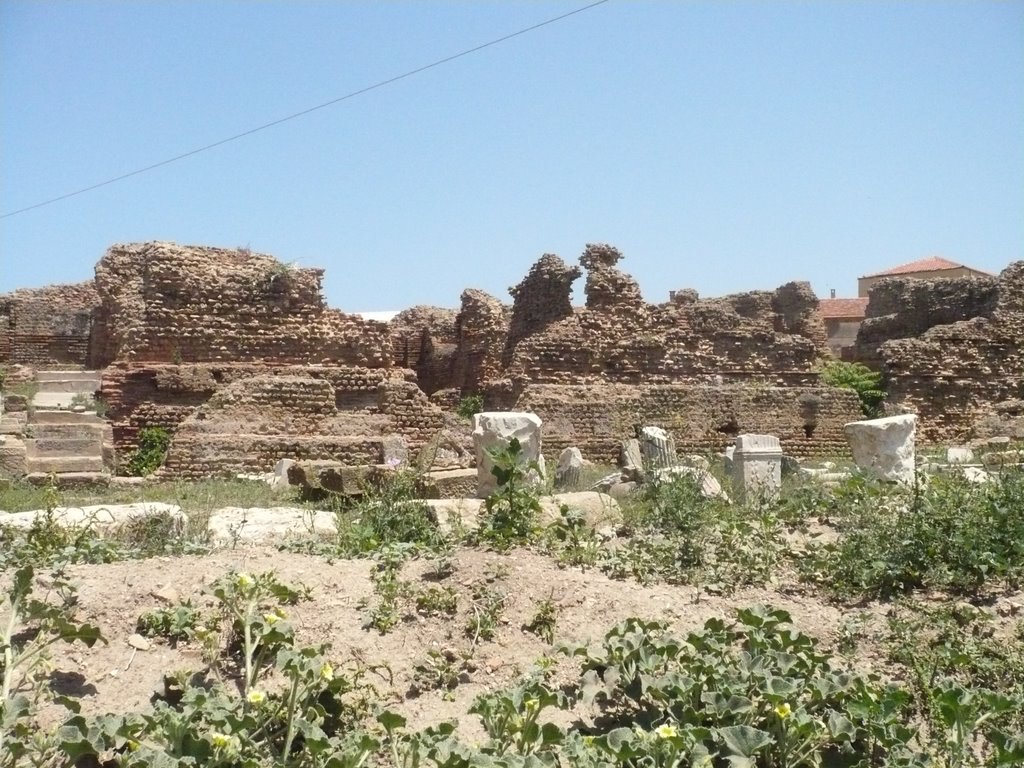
(115, 677)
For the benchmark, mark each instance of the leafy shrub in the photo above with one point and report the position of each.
(176, 622)
(949, 534)
(859, 378)
(469, 406)
(152, 450)
(389, 512)
(510, 514)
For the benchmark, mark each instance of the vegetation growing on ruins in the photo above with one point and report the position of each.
(858, 378)
(469, 406)
(749, 689)
(151, 452)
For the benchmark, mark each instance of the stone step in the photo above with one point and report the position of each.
(49, 464)
(68, 479)
(56, 401)
(74, 386)
(13, 423)
(68, 431)
(64, 447)
(44, 376)
(66, 417)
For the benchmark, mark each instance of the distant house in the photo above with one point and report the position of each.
(843, 316)
(931, 268)
(842, 319)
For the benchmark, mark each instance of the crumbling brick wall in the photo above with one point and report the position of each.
(238, 418)
(49, 326)
(166, 395)
(902, 308)
(480, 330)
(425, 341)
(957, 374)
(702, 418)
(541, 298)
(160, 302)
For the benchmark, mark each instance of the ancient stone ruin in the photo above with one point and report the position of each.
(239, 358)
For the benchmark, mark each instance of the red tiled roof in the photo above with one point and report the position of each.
(930, 264)
(833, 309)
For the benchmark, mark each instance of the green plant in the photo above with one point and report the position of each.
(967, 683)
(151, 452)
(390, 512)
(437, 601)
(32, 626)
(511, 512)
(176, 622)
(258, 628)
(948, 534)
(486, 607)
(469, 406)
(542, 623)
(755, 693)
(386, 612)
(858, 378)
(444, 670)
(572, 540)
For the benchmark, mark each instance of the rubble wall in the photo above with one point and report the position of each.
(253, 414)
(47, 327)
(160, 302)
(596, 418)
(962, 377)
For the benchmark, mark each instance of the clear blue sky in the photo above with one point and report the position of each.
(721, 146)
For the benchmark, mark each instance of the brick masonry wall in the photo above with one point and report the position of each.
(596, 418)
(243, 418)
(160, 302)
(47, 327)
(959, 376)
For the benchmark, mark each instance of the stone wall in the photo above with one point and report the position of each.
(775, 336)
(160, 302)
(596, 418)
(902, 308)
(364, 399)
(955, 350)
(424, 340)
(243, 418)
(47, 327)
(481, 329)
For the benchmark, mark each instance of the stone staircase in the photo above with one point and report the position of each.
(65, 390)
(64, 439)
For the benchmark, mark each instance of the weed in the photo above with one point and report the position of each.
(510, 513)
(542, 623)
(442, 670)
(858, 378)
(486, 607)
(469, 406)
(151, 451)
(177, 622)
(437, 601)
(390, 591)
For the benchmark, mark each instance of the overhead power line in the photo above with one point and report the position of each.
(304, 112)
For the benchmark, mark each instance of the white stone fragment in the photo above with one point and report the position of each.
(496, 429)
(884, 448)
(757, 468)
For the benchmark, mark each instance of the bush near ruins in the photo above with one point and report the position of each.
(859, 378)
(152, 450)
(469, 406)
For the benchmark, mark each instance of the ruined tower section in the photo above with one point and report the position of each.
(47, 327)
(160, 302)
(238, 356)
(708, 369)
(424, 340)
(951, 351)
(481, 329)
(540, 299)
